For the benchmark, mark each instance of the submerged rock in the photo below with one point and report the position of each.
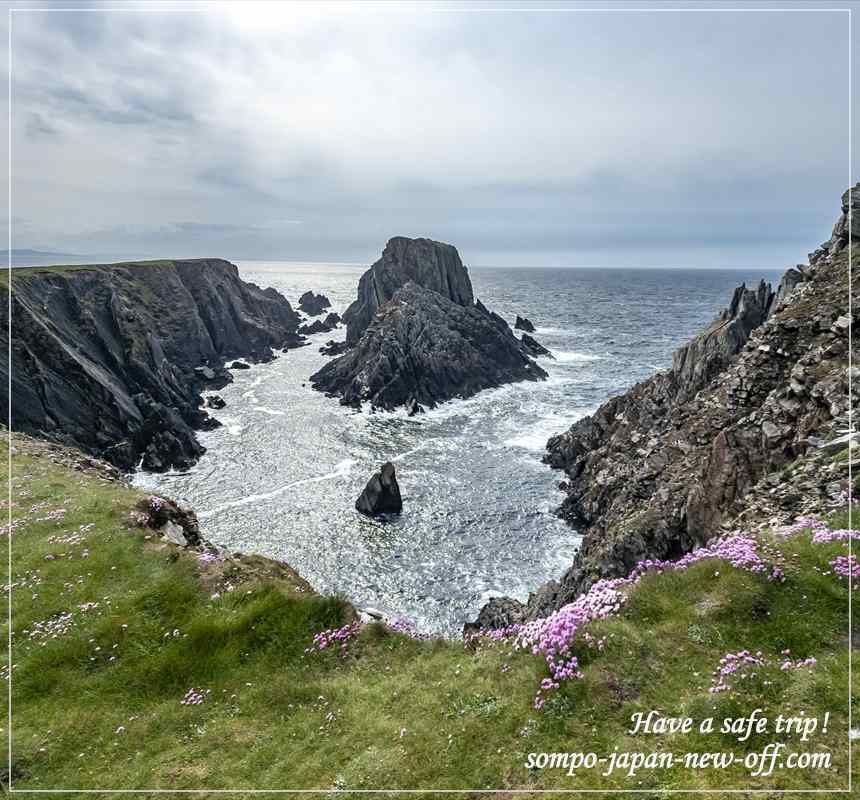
(424, 347)
(215, 401)
(240, 365)
(313, 304)
(321, 326)
(524, 324)
(382, 494)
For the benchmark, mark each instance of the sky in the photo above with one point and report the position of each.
(526, 135)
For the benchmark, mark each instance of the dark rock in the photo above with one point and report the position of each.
(524, 324)
(425, 347)
(698, 450)
(413, 407)
(430, 264)
(313, 304)
(174, 522)
(382, 494)
(317, 326)
(332, 320)
(105, 357)
(333, 348)
(240, 365)
(532, 347)
(215, 401)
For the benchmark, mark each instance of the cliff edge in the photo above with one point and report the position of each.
(673, 462)
(107, 358)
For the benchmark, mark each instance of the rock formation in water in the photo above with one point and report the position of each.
(524, 324)
(422, 346)
(433, 265)
(416, 334)
(698, 450)
(320, 326)
(532, 347)
(111, 358)
(382, 493)
(313, 304)
(215, 401)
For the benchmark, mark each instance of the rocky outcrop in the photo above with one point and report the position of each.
(524, 324)
(417, 337)
(215, 401)
(111, 358)
(382, 493)
(320, 326)
(425, 347)
(532, 347)
(433, 265)
(333, 348)
(313, 304)
(683, 456)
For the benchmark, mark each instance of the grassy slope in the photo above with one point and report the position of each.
(277, 718)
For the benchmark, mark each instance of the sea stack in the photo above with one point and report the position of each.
(382, 494)
(417, 333)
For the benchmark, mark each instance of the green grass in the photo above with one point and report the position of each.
(393, 712)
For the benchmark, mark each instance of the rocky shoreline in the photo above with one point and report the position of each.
(735, 433)
(111, 358)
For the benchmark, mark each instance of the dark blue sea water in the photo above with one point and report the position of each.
(281, 476)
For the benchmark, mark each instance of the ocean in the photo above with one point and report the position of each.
(281, 476)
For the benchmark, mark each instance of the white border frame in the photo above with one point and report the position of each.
(202, 5)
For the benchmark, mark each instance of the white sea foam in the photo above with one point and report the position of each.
(341, 469)
(270, 411)
(574, 357)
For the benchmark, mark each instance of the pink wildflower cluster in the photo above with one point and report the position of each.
(740, 549)
(821, 531)
(194, 697)
(745, 665)
(335, 637)
(404, 625)
(737, 664)
(155, 502)
(846, 566)
(209, 558)
(552, 637)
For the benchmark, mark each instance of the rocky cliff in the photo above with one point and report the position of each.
(107, 358)
(433, 265)
(416, 334)
(747, 404)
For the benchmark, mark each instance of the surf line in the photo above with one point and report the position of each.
(341, 470)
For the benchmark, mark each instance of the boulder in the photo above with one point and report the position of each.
(413, 407)
(215, 401)
(313, 304)
(332, 320)
(240, 365)
(524, 324)
(382, 494)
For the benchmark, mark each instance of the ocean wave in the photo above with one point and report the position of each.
(270, 411)
(574, 357)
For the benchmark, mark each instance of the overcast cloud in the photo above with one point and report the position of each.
(537, 137)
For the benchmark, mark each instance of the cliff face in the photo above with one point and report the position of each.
(672, 462)
(104, 357)
(433, 265)
(416, 334)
